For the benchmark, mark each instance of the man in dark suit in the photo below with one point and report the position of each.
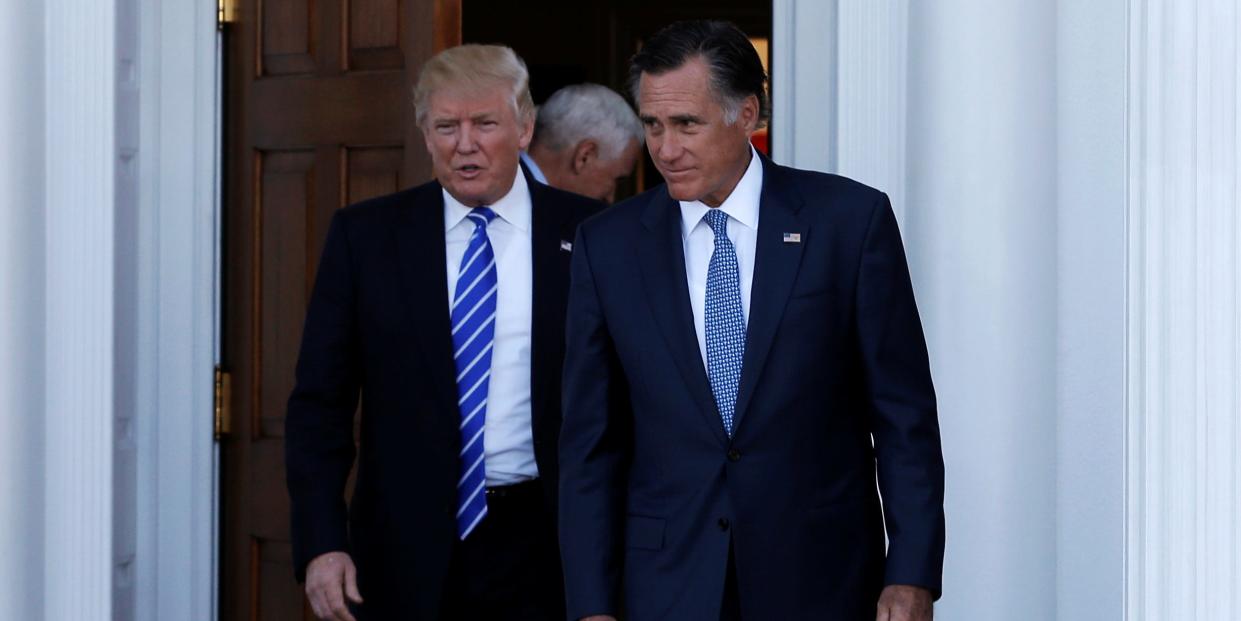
(443, 306)
(736, 338)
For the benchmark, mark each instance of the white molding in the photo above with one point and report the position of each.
(81, 150)
(803, 83)
(177, 545)
(871, 96)
(22, 367)
(839, 76)
(1184, 328)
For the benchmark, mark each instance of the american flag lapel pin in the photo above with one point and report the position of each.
(566, 246)
(792, 238)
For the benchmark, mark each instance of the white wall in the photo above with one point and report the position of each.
(1090, 113)
(21, 327)
(998, 129)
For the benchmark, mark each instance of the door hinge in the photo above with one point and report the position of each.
(223, 403)
(226, 12)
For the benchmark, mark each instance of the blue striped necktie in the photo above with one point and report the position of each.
(473, 334)
(724, 320)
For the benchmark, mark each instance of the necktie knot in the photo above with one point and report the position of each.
(718, 221)
(481, 216)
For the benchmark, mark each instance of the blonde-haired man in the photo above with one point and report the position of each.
(444, 305)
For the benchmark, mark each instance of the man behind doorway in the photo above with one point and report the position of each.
(443, 307)
(736, 338)
(586, 140)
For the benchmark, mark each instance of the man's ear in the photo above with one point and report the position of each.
(749, 114)
(525, 131)
(426, 136)
(583, 153)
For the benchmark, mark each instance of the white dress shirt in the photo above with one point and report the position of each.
(535, 171)
(699, 242)
(508, 440)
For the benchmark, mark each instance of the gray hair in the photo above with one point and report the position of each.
(736, 71)
(575, 113)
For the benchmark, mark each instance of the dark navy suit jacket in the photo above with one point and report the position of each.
(653, 491)
(378, 326)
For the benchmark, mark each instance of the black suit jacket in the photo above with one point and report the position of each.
(654, 492)
(378, 326)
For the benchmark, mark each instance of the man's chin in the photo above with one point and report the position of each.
(682, 192)
(469, 194)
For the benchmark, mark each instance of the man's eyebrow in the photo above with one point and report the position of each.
(685, 118)
(646, 118)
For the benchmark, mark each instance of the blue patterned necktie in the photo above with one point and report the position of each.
(473, 334)
(724, 320)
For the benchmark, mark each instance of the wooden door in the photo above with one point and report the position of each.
(318, 115)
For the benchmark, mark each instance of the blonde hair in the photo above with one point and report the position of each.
(474, 66)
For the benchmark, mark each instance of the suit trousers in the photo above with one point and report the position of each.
(730, 608)
(509, 567)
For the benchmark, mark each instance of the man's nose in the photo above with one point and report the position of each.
(466, 141)
(669, 149)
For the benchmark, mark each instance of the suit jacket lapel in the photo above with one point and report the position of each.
(661, 257)
(419, 240)
(775, 270)
(550, 226)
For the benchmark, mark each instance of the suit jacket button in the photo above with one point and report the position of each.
(723, 523)
(734, 454)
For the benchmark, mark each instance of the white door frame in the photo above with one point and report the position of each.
(176, 516)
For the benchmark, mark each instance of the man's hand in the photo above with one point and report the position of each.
(330, 578)
(899, 602)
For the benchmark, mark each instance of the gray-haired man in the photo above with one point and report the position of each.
(586, 139)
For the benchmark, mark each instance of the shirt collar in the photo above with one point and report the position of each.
(535, 171)
(514, 207)
(741, 205)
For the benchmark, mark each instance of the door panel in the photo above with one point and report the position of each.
(318, 115)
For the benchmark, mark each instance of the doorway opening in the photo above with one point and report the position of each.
(568, 42)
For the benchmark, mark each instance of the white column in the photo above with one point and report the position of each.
(21, 321)
(1184, 411)
(81, 150)
(981, 238)
(873, 58)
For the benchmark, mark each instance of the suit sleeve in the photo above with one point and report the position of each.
(902, 403)
(593, 450)
(319, 444)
